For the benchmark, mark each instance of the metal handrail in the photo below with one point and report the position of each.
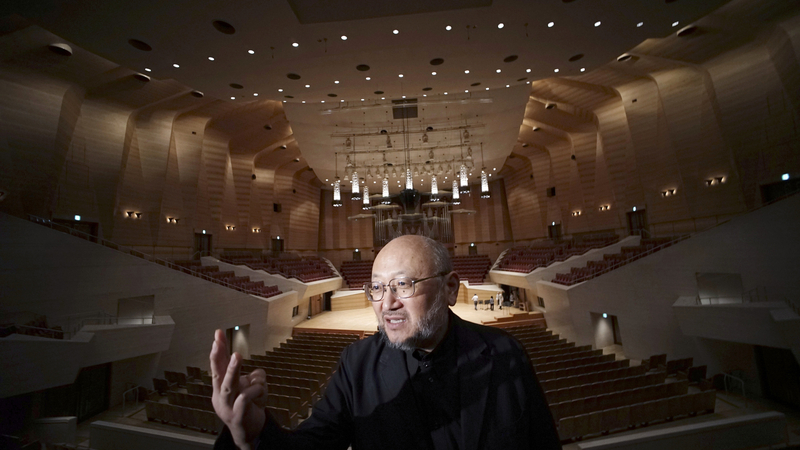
(725, 383)
(132, 252)
(628, 261)
(136, 397)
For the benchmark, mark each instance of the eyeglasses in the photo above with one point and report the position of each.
(402, 287)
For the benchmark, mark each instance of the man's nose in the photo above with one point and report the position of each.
(390, 299)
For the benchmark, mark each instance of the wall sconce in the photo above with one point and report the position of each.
(172, 219)
(129, 213)
(605, 207)
(715, 181)
(668, 193)
(230, 227)
(576, 213)
(256, 230)
(133, 214)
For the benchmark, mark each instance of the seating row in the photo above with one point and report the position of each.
(581, 370)
(190, 400)
(604, 387)
(183, 416)
(617, 399)
(643, 413)
(593, 377)
(577, 362)
(226, 278)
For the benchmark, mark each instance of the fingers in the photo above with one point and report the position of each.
(230, 383)
(255, 394)
(218, 359)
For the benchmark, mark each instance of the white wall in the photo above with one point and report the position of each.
(762, 246)
(51, 273)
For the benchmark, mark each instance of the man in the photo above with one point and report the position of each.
(475, 301)
(427, 380)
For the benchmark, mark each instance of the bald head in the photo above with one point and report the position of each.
(430, 255)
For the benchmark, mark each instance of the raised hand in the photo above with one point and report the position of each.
(239, 400)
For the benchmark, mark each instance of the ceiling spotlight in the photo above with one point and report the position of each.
(623, 57)
(210, 58)
(280, 90)
(498, 70)
(597, 24)
(147, 69)
(466, 71)
(487, 88)
(639, 25)
(500, 25)
(308, 85)
(336, 82)
(401, 75)
(556, 70)
(508, 85)
(528, 70)
(368, 78)
(176, 66)
(252, 52)
(550, 25)
(583, 69)
(395, 31)
(433, 73)
(344, 38)
(675, 24)
(255, 94)
(233, 98)
(448, 28)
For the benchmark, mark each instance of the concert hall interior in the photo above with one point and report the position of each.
(624, 173)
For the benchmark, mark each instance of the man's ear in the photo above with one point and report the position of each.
(452, 284)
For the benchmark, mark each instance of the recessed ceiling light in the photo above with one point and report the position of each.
(500, 25)
(233, 98)
(336, 82)
(597, 24)
(508, 85)
(175, 66)
(551, 24)
(424, 95)
(466, 90)
(284, 101)
(528, 70)
(401, 75)
(433, 73)
(675, 24)
(252, 52)
(527, 82)
(638, 25)
(448, 28)
(341, 101)
(395, 31)
(304, 101)
(383, 98)
(280, 90)
(368, 78)
(445, 93)
(323, 101)
(362, 99)
(555, 70)
(295, 44)
(147, 69)
(255, 94)
(344, 38)
(583, 69)
(404, 96)
(487, 88)
(210, 58)
(498, 70)
(466, 71)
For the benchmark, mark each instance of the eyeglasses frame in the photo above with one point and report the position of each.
(394, 291)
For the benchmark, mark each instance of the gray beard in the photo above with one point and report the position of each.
(434, 320)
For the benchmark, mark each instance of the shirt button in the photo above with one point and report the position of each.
(426, 365)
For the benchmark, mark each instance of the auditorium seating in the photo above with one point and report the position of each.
(610, 262)
(356, 273)
(542, 254)
(472, 268)
(226, 278)
(591, 393)
(29, 324)
(305, 269)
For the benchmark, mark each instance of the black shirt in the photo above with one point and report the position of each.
(434, 381)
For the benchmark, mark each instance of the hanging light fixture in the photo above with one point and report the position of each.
(434, 189)
(337, 188)
(456, 198)
(366, 204)
(347, 142)
(409, 179)
(466, 134)
(484, 179)
(385, 192)
(424, 138)
(355, 192)
(463, 185)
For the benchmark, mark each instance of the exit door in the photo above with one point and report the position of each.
(637, 222)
